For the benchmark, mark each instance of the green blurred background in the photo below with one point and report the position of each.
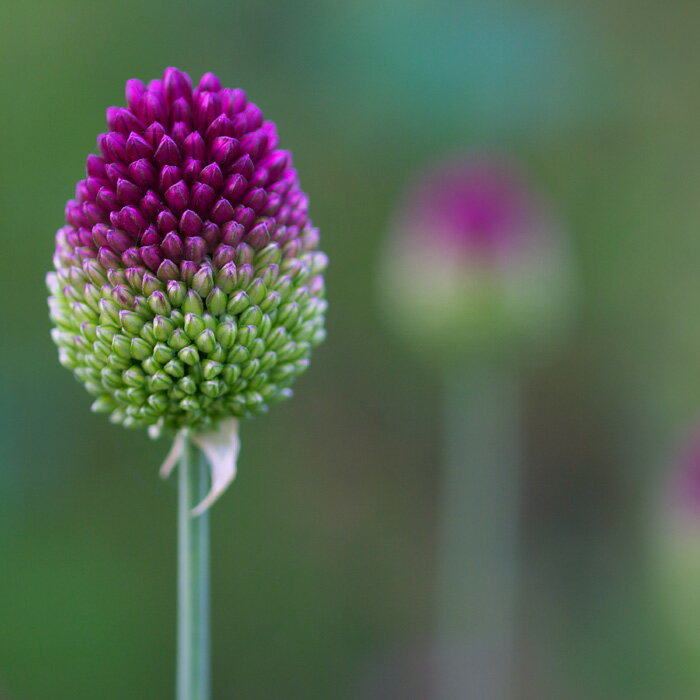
(324, 548)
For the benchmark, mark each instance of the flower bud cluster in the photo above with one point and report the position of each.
(188, 283)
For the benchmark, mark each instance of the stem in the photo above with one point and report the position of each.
(478, 535)
(193, 645)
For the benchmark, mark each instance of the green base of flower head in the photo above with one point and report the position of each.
(174, 353)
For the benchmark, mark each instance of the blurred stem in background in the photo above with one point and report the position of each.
(193, 636)
(478, 535)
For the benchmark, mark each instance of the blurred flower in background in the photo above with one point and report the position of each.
(475, 275)
(475, 264)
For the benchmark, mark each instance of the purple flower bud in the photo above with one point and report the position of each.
(95, 166)
(259, 236)
(151, 256)
(169, 175)
(153, 107)
(235, 187)
(150, 236)
(203, 197)
(254, 144)
(176, 84)
(191, 170)
(179, 133)
(118, 241)
(167, 152)
(212, 176)
(122, 120)
(195, 248)
(181, 112)
(232, 233)
(177, 197)
(190, 223)
(113, 146)
(194, 146)
(221, 212)
(128, 192)
(143, 173)
(172, 247)
(207, 108)
(166, 222)
(132, 220)
(244, 166)
(221, 126)
(223, 150)
(210, 83)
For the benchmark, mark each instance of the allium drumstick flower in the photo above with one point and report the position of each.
(474, 261)
(188, 283)
(188, 288)
(472, 275)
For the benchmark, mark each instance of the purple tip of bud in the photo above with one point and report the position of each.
(212, 176)
(177, 85)
(151, 256)
(128, 192)
(221, 126)
(211, 233)
(194, 146)
(224, 255)
(207, 108)
(118, 241)
(167, 271)
(190, 223)
(259, 236)
(256, 199)
(181, 114)
(113, 146)
(166, 222)
(131, 257)
(150, 236)
(191, 170)
(152, 107)
(172, 247)
(167, 152)
(195, 249)
(210, 83)
(143, 173)
(223, 150)
(221, 212)
(123, 120)
(254, 144)
(232, 233)
(132, 221)
(177, 197)
(107, 258)
(203, 197)
(235, 187)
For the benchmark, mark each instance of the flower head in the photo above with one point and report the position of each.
(187, 284)
(474, 261)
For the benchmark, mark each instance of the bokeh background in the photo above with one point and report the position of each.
(324, 554)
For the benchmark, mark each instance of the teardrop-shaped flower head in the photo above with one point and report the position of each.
(474, 262)
(188, 282)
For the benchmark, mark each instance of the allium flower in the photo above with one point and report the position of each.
(474, 261)
(188, 282)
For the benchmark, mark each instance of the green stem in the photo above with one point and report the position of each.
(193, 646)
(478, 535)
